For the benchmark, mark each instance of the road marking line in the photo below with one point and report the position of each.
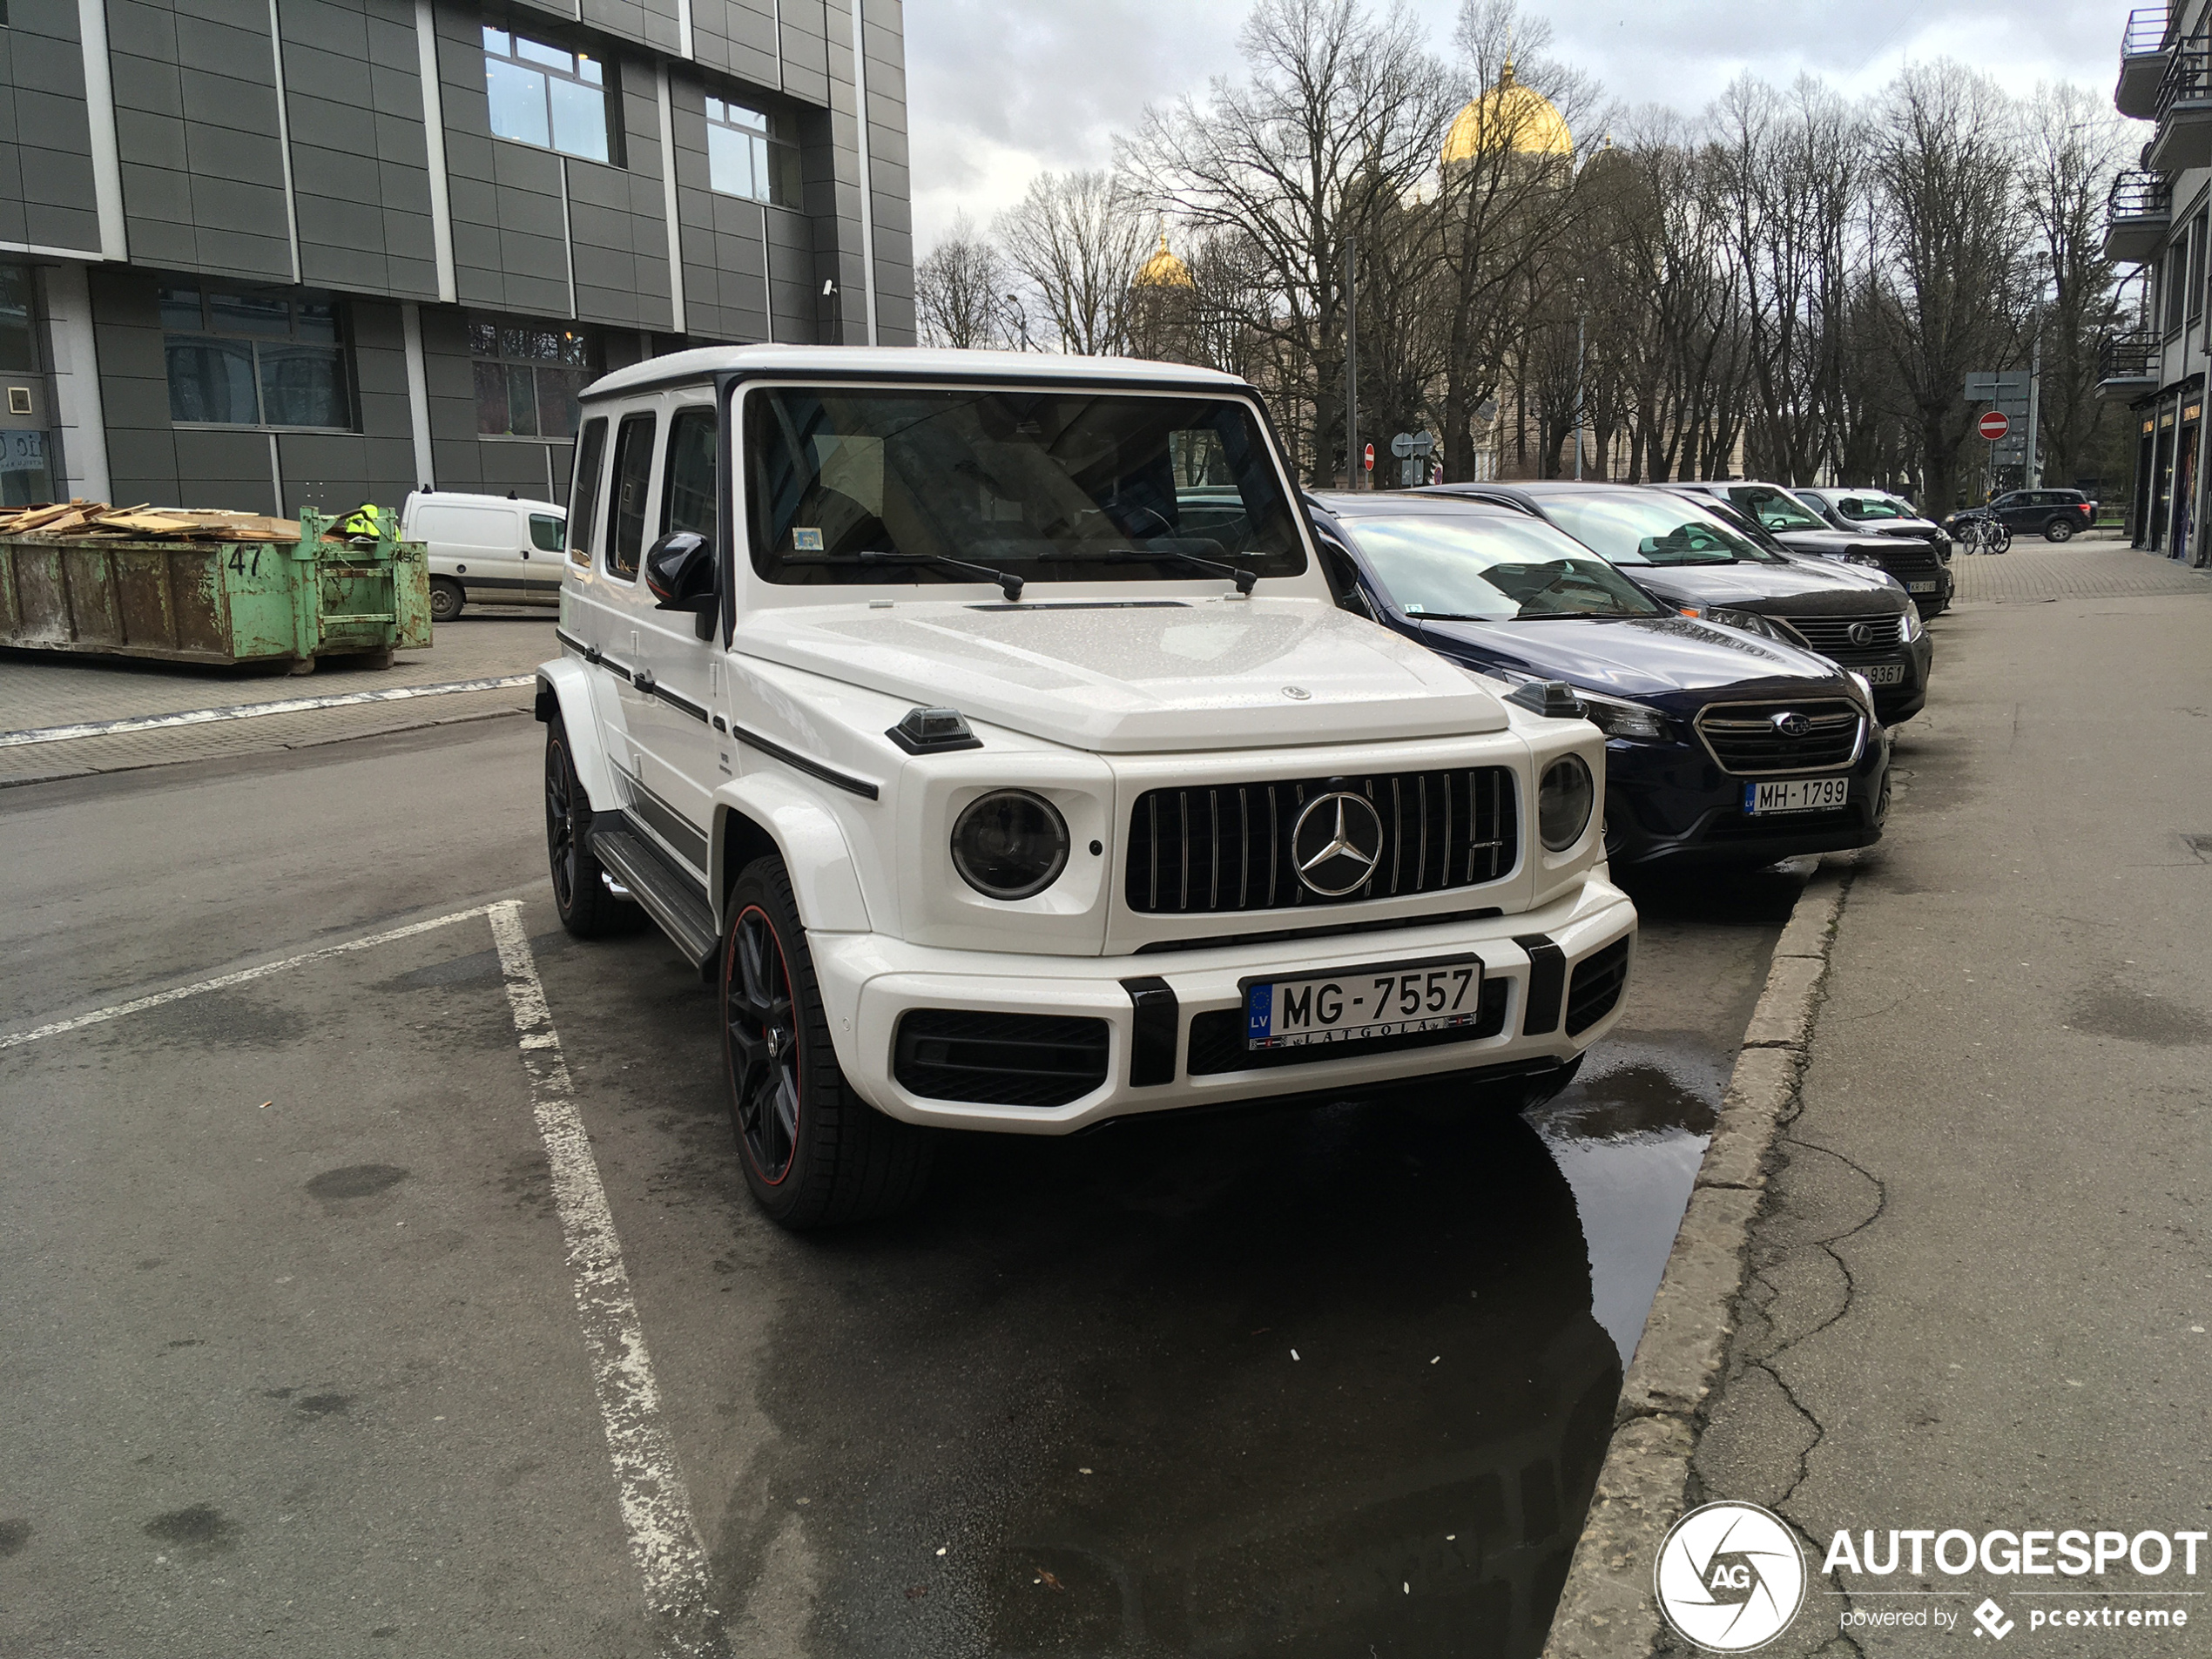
(139, 1005)
(656, 1506)
(253, 710)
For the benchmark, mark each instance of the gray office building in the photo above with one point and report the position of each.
(267, 253)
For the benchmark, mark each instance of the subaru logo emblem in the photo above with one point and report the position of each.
(1335, 844)
(1790, 724)
(1862, 633)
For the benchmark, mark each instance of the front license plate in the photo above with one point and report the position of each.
(1350, 1003)
(1922, 587)
(1884, 674)
(1796, 795)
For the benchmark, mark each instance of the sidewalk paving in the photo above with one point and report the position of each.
(40, 689)
(1980, 1284)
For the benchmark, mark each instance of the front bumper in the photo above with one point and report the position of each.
(1669, 803)
(869, 982)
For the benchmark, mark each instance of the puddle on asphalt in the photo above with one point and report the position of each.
(1319, 1382)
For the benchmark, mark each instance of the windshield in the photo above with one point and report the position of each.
(1051, 486)
(1652, 528)
(1872, 507)
(1775, 510)
(1494, 568)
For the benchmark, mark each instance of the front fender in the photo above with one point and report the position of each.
(562, 689)
(759, 813)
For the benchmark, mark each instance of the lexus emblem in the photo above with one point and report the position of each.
(1862, 633)
(1790, 724)
(1335, 844)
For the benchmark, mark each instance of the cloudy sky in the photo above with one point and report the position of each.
(1000, 88)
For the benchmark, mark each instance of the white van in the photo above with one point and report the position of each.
(495, 550)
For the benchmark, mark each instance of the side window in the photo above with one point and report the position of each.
(687, 492)
(585, 493)
(626, 508)
(545, 532)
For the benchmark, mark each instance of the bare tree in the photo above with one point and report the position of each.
(1077, 238)
(1945, 164)
(1340, 107)
(960, 291)
(2075, 146)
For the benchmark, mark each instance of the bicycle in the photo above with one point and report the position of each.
(1983, 532)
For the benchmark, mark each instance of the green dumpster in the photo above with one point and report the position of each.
(212, 601)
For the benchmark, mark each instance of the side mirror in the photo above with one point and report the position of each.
(679, 572)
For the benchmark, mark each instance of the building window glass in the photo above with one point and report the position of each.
(527, 376)
(545, 95)
(244, 357)
(746, 156)
(2196, 268)
(2172, 278)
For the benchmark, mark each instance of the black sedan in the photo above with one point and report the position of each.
(1687, 558)
(1913, 561)
(1722, 747)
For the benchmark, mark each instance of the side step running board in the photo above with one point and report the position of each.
(673, 897)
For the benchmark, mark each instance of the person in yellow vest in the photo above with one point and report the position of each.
(368, 519)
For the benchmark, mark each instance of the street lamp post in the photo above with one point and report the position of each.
(1021, 318)
(1582, 328)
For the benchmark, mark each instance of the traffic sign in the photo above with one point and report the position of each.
(1993, 425)
(1371, 457)
(1402, 445)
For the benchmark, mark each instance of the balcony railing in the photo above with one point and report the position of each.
(2129, 360)
(2146, 31)
(2142, 61)
(2184, 109)
(2136, 215)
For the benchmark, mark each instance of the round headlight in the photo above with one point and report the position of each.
(1563, 802)
(1009, 844)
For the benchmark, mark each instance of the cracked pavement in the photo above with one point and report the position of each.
(1976, 1294)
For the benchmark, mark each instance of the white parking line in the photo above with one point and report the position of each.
(656, 1507)
(139, 1005)
(253, 710)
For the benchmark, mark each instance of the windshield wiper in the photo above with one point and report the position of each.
(1243, 579)
(1009, 584)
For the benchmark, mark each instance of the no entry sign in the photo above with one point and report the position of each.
(1993, 425)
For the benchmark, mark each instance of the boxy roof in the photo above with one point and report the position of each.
(899, 363)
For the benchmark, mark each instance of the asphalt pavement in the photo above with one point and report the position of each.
(1982, 1282)
(297, 1366)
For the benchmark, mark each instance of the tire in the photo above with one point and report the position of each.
(587, 909)
(2059, 529)
(446, 598)
(815, 1154)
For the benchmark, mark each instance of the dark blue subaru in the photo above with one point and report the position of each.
(1723, 746)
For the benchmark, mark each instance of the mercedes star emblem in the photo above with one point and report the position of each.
(1862, 633)
(1335, 844)
(1298, 692)
(1790, 724)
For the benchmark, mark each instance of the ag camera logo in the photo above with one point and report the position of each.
(1730, 1577)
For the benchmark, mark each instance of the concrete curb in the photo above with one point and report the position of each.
(1606, 1611)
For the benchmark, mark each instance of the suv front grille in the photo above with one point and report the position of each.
(1226, 847)
(1909, 559)
(1831, 636)
(1745, 739)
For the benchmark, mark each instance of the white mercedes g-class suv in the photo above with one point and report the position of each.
(987, 724)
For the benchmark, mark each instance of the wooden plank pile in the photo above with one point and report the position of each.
(145, 523)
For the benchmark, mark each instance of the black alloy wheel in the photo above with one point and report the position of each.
(587, 908)
(761, 1036)
(814, 1153)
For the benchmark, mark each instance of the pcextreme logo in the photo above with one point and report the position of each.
(1730, 1577)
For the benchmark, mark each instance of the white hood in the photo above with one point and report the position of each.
(1122, 677)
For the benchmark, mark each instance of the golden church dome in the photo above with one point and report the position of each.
(1518, 116)
(1163, 270)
